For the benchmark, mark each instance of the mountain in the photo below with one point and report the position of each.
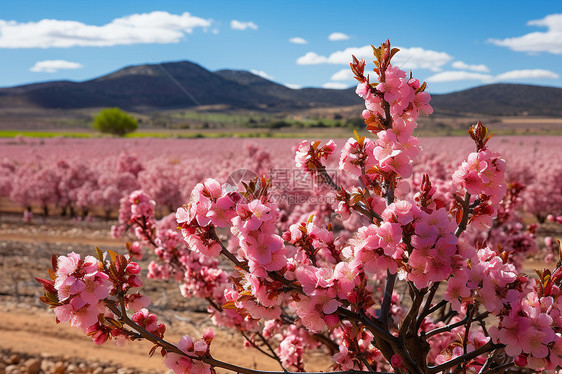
(169, 86)
(183, 84)
(501, 100)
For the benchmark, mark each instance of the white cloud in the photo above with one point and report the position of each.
(528, 73)
(342, 75)
(239, 25)
(450, 76)
(548, 41)
(407, 58)
(335, 36)
(336, 85)
(293, 86)
(262, 74)
(298, 40)
(312, 58)
(155, 27)
(52, 66)
(463, 66)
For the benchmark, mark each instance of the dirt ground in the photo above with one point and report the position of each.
(28, 328)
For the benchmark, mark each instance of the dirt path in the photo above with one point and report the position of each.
(35, 332)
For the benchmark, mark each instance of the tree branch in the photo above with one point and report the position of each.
(427, 308)
(206, 359)
(390, 278)
(253, 344)
(453, 325)
(464, 358)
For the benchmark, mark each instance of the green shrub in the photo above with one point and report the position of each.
(114, 121)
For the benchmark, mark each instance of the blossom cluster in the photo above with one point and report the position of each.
(92, 294)
(184, 363)
(79, 290)
(530, 323)
(482, 176)
(198, 274)
(310, 156)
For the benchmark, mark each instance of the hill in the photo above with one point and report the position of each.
(183, 85)
(501, 100)
(173, 85)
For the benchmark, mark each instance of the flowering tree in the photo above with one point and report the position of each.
(410, 291)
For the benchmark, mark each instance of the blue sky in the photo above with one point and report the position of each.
(451, 44)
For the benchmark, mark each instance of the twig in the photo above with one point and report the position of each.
(241, 265)
(464, 358)
(374, 327)
(390, 278)
(450, 327)
(206, 359)
(412, 313)
(213, 304)
(360, 206)
(489, 361)
(437, 306)
(427, 308)
(253, 344)
(471, 312)
(500, 368)
(274, 354)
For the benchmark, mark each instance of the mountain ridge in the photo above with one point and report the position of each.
(185, 84)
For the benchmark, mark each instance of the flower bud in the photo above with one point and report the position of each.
(133, 268)
(396, 361)
(520, 360)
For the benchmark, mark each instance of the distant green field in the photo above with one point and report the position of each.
(289, 132)
(43, 134)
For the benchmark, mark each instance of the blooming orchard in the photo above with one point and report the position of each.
(396, 280)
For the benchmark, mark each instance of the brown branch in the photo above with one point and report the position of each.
(329, 343)
(213, 304)
(412, 313)
(427, 308)
(206, 359)
(390, 278)
(450, 327)
(498, 369)
(374, 326)
(488, 363)
(360, 206)
(436, 307)
(272, 355)
(327, 179)
(385, 341)
(489, 346)
(275, 356)
(470, 315)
